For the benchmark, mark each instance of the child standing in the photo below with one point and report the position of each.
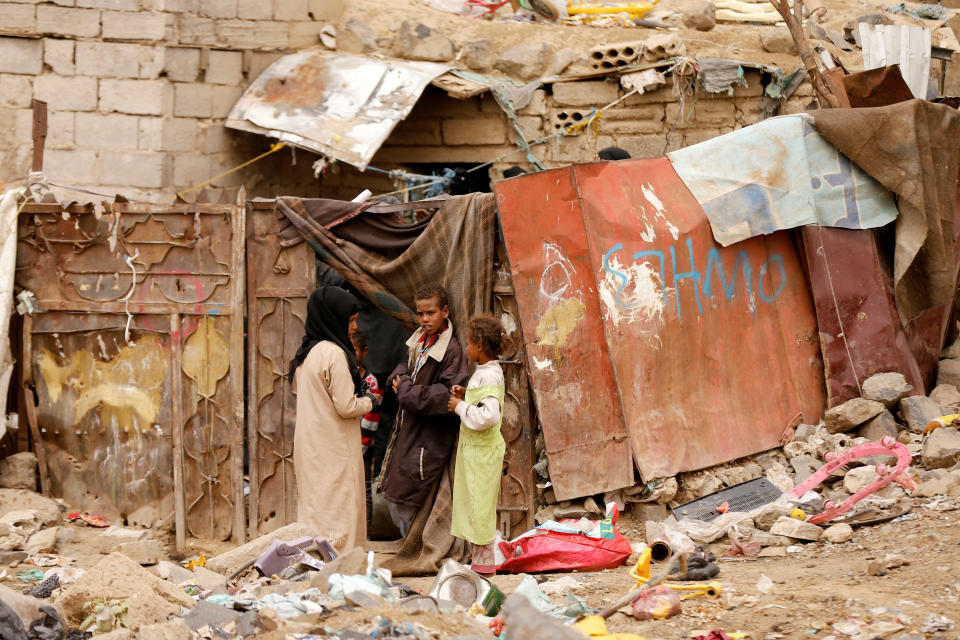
(476, 484)
(370, 421)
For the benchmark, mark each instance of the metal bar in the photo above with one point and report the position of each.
(176, 429)
(238, 280)
(39, 132)
(146, 308)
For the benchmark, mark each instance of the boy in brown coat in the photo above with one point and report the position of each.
(426, 430)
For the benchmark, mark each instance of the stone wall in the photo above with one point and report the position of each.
(138, 91)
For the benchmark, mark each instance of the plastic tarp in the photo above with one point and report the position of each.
(779, 174)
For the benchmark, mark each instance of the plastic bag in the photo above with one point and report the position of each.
(541, 550)
(656, 604)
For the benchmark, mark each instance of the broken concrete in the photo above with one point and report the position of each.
(173, 572)
(947, 396)
(143, 552)
(802, 432)
(43, 541)
(778, 40)
(764, 517)
(700, 15)
(24, 522)
(524, 62)
(918, 411)
(796, 529)
(838, 533)
(229, 561)
(352, 562)
(479, 55)
(949, 372)
(944, 483)
(804, 466)
(357, 37)
(851, 414)
(876, 428)
(417, 41)
(19, 471)
(856, 479)
(941, 449)
(207, 613)
(16, 499)
(888, 388)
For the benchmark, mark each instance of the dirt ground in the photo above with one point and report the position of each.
(813, 590)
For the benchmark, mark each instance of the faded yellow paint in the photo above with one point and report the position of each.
(129, 383)
(206, 357)
(559, 322)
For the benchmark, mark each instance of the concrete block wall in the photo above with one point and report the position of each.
(138, 90)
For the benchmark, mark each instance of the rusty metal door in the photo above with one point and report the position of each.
(279, 281)
(136, 360)
(568, 361)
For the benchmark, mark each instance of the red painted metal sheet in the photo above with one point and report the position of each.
(714, 349)
(576, 395)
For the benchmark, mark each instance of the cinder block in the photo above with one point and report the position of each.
(704, 112)
(167, 134)
(116, 5)
(422, 131)
(593, 93)
(797, 104)
(701, 135)
(804, 90)
(304, 34)
(634, 120)
(537, 106)
(247, 34)
(142, 25)
(651, 146)
(216, 139)
(58, 55)
(66, 94)
(140, 97)
(531, 126)
(196, 30)
(21, 55)
(64, 21)
(224, 67)
(108, 59)
(60, 130)
(326, 10)
(189, 170)
(15, 127)
(135, 169)
(474, 131)
(218, 8)
(223, 100)
(193, 100)
(754, 86)
(254, 9)
(258, 62)
(151, 61)
(179, 6)
(15, 91)
(106, 131)
(182, 64)
(576, 148)
(749, 111)
(73, 166)
(664, 95)
(292, 10)
(18, 18)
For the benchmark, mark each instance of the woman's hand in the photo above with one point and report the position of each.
(376, 400)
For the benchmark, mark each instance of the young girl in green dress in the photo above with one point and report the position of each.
(476, 482)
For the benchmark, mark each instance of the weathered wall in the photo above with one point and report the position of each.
(137, 90)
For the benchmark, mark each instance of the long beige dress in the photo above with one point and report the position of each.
(327, 454)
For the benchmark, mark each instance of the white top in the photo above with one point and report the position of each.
(487, 413)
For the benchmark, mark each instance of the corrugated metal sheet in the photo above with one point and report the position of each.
(905, 45)
(703, 353)
(341, 106)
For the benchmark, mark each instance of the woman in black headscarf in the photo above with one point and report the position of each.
(327, 454)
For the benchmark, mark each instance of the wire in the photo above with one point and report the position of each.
(273, 149)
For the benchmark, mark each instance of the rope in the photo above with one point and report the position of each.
(273, 149)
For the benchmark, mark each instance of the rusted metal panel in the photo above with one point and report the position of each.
(279, 280)
(714, 349)
(342, 106)
(567, 358)
(139, 347)
(517, 489)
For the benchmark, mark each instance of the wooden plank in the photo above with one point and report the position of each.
(39, 132)
(31, 407)
(144, 308)
(253, 418)
(176, 429)
(238, 280)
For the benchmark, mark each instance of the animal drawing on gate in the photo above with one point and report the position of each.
(641, 290)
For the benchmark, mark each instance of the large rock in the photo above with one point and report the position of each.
(700, 15)
(19, 471)
(941, 449)
(357, 37)
(764, 517)
(888, 388)
(947, 396)
(946, 483)
(17, 499)
(778, 40)
(43, 541)
(804, 466)
(24, 522)
(796, 529)
(949, 372)
(142, 552)
(118, 577)
(524, 62)
(838, 533)
(478, 54)
(918, 411)
(856, 479)
(803, 432)
(876, 428)
(850, 414)
(417, 41)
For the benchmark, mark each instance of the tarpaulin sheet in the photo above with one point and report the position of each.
(779, 174)
(705, 353)
(341, 106)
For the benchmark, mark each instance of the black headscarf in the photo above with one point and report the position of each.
(328, 318)
(613, 153)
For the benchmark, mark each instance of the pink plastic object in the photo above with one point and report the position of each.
(887, 446)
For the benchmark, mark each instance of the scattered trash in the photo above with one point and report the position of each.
(657, 603)
(459, 584)
(30, 575)
(46, 588)
(765, 584)
(89, 520)
(935, 623)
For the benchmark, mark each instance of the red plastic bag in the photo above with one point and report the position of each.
(656, 604)
(554, 551)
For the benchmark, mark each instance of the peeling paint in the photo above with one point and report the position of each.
(559, 322)
(631, 293)
(542, 364)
